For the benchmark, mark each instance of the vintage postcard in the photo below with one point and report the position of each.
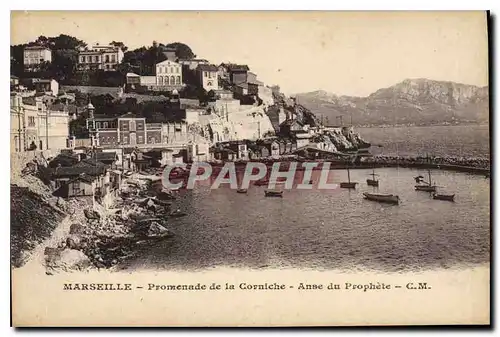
(261, 168)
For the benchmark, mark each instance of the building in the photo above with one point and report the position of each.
(192, 64)
(223, 70)
(127, 130)
(133, 79)
(100, 58)
(108, 158)
(162, 156)
(14, 81)
(269, 148)
(224, 104)
(199, 151)
(193, 114)
(302, 139)
(86, 178)
(46, 86)
(17, 124)
(238, 73)
(247, 89)
(169, 75)
(207, 76)
(33, 125)
(175, 133)
(34, 56)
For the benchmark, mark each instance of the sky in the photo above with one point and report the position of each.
(345, 53)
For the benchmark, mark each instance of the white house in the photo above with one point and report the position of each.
(207, 76)
(35, 55)
(168, 73)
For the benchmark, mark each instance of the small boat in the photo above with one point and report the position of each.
(241, 190)
(373, 181)
(424, 185)
(425, 188)
(273, 193)
(447, 197)
(387, 198)
(348, 184)
(177, 213)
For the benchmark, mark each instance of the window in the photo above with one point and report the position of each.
(113, 58)
(105, 125)
(210, 75)
(178, 80)
(132, 125)
(160, 81)
(159, 70)
(205, 74)
(166, 80)
(31, 121)
(172, 80)
(140, 139)
(125, 139)
(177, 70)
(82, 59)
(107, 58)
(76, 188)
(96, 59)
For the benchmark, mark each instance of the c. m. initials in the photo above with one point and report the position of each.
(419, 286)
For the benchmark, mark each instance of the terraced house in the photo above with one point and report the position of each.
(100, 58)
(34, 56)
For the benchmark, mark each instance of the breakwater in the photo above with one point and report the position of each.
(469, 165)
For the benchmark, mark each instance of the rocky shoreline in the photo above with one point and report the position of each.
(84, 234)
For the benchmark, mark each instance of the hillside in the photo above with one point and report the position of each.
(413, 101)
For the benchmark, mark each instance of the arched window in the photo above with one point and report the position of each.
(172, 80)
(161, 81)
(178, 80)
(166, 80)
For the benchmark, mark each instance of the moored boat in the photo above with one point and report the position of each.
(425, 188)
(273, 193)
(348, 185)
(424, 185)
(373, 181)
(386, 198)
(447, 197)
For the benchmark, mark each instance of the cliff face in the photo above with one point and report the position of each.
(341, 139)
(413, 101)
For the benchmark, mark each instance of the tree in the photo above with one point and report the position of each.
(182, 51)
(65, 42)
(120, 45)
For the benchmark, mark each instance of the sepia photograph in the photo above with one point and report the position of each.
(287, 168)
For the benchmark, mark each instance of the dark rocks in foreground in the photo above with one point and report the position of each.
(32, 221)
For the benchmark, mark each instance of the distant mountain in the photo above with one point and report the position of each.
(413, 101)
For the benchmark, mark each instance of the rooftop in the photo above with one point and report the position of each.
(238, 67)
(105, 156)
(207, 67)
(36, 48)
